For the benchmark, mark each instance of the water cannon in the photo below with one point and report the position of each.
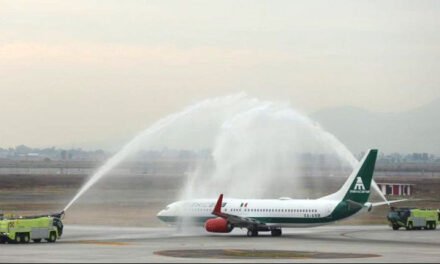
(59, 215)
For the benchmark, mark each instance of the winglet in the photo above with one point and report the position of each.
(218, 206)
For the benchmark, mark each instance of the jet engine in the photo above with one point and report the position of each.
(218, 225)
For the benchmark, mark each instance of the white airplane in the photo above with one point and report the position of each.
(258, 215)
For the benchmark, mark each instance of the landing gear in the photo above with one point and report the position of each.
(276, 232)
(252, 233)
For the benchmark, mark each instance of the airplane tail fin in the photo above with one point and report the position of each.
(357, 187)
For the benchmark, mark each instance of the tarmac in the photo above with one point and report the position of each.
(334, 243)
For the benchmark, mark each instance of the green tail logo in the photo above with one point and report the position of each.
(359, 187)
(359, 190)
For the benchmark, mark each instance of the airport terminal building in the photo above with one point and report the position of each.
(396, 189)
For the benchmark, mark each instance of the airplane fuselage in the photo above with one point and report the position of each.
(272, 212)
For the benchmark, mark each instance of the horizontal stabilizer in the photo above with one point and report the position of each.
(395, 201)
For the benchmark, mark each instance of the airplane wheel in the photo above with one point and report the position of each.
(276, 232)
(252, 233)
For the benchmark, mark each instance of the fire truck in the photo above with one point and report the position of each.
(413, 219)
(31, 228)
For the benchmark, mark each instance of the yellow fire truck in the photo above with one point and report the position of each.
(413, 219)
(35, 228)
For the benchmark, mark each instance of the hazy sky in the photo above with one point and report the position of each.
(89, 73)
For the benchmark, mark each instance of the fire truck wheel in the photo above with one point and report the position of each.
(52, 237)
(26, 238)
(18, 238)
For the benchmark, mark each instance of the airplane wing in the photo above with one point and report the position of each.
(236, 220)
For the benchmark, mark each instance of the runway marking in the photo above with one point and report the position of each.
(258, 254)
(350, 235)
(97, 242)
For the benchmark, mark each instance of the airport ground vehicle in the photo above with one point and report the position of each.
(412, 218)
(35, 228)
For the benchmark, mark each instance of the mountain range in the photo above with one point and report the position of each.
(416, 130)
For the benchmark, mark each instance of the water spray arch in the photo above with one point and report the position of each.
(250, 139)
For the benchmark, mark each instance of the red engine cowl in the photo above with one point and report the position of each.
(218, 225)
